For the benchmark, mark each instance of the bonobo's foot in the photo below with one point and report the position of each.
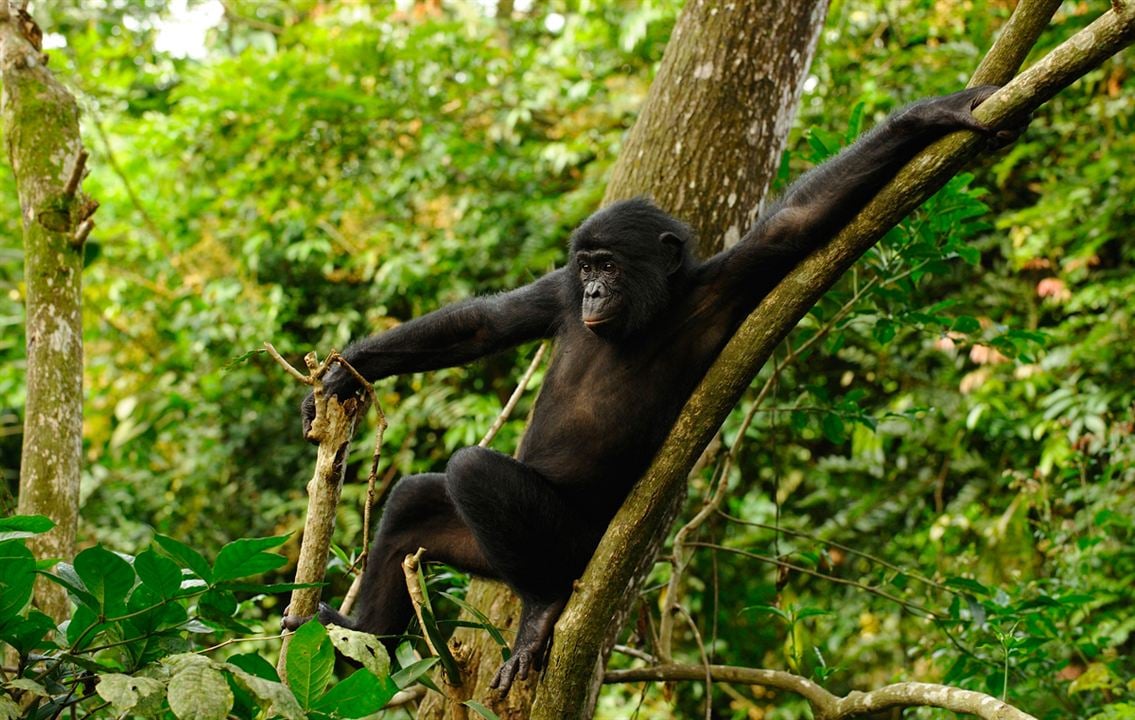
(532, 642)
(955, 112)
(327, 616)
(949, 112)
(517, 666)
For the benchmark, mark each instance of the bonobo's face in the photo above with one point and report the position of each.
(627, 258)
(602, 296)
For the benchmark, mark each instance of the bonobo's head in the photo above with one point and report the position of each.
(628, 257)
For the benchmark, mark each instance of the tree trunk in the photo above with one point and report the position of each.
(41, 125)
(710, 137)
(728, 87)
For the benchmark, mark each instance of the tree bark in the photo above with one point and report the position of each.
(646, 515)
(41, 125)
(709, 139)
(728, 86)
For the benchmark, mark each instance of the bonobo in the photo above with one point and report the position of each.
(636, 322)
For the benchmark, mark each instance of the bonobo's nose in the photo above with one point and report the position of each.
(595, 290)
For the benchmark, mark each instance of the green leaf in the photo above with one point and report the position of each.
(833, 428)
(187, 556)
(884, 331)
(245, 557)
(27, 634)
(409, 674)
(362, 647)
(437, 638)
(255, 664)
(17, 578)
(125, 692)
(64, 574)
(966, 324)
(969, 254)
(968, 584)
(9, 710)
(198, 690)
(158, 573)
(83, 627)
(217, 604)
(484, 622)
(481, 710)
(108, 577)
(811, 612)
(309, 663)
(22, 526)
(29, 686)
(359, 695)
(273, 696)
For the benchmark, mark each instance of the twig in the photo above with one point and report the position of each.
(413, 586)
(1028, 21)
(845, 548)
(376, 456)
(705, 663)
(832, 578)
(77, 173)
(305, 379)
(405, 697)
(515, 397)
(83, 232)
(112, 160)
(826, 706)
(635, 653)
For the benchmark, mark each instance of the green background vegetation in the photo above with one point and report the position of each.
(324, 171)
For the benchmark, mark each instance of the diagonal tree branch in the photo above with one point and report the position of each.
(648, 512)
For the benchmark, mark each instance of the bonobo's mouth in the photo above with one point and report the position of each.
(593, 322)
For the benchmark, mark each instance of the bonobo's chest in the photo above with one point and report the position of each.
(605, 408)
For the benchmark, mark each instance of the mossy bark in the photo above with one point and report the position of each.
(709, 139)
(41, 127)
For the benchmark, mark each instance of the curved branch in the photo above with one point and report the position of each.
(827, 706)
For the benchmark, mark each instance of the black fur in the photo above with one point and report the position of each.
(636, 321)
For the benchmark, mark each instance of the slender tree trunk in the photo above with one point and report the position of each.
(705, 147)
(41, 126)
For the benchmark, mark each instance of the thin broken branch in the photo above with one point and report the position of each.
(78, 172)
(515, 397)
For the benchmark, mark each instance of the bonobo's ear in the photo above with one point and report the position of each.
(672, 244)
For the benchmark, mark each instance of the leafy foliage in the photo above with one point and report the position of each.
(937, 486)
(130, 643)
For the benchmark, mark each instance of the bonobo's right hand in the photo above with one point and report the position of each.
(307, 410)
(338, 383)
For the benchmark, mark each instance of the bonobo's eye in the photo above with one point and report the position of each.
(608, 266)
(585, 267)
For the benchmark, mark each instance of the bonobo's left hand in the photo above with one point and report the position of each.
(955, 112)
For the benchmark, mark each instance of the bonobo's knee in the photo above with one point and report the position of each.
(466, 468)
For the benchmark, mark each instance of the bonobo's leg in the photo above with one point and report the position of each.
(418, 513)
(536, 541)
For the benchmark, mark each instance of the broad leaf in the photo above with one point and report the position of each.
(246, 556)
(309, 663)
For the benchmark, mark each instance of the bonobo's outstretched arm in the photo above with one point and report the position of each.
(825, 199)
(459, 333)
